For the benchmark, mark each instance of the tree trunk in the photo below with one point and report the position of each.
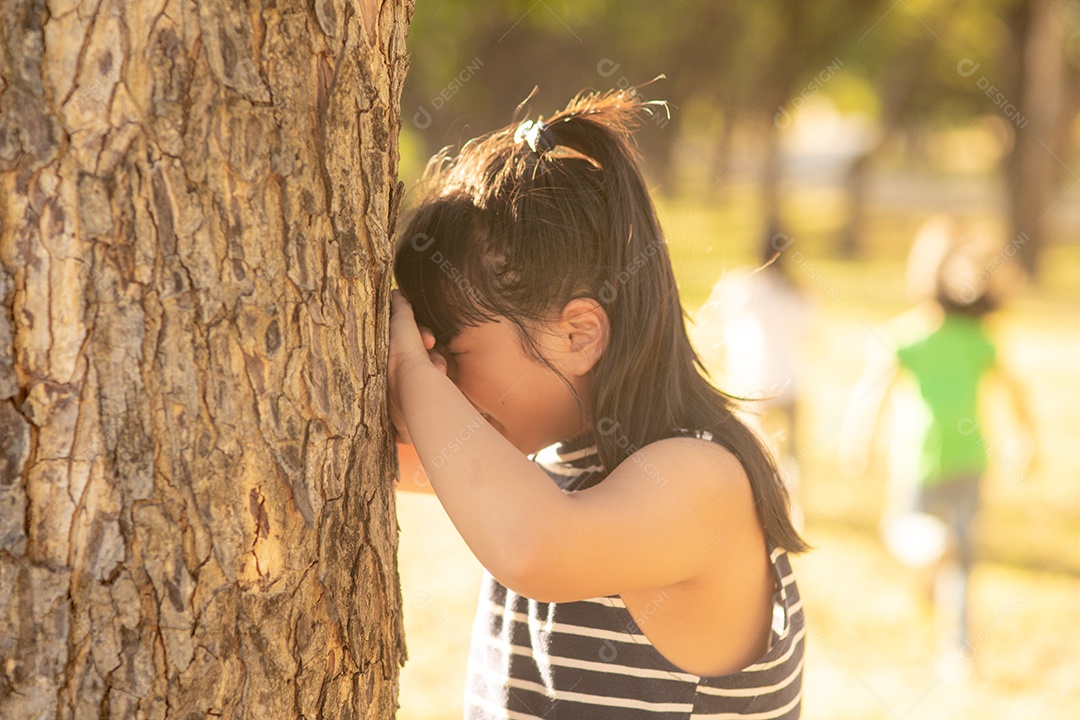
(1033, 167)
(896, 91)
(772, 178)
(196, 508)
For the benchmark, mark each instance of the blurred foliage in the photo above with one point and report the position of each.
(734, 58)
(912, 72)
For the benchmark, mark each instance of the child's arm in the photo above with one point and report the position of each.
(868, 401)
(492, 493)
(1016, 397)
(411, 475)
(656, 520)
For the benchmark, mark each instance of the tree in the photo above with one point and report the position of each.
(196, 511)
(1047, 91)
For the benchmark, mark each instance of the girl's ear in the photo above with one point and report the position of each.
(584, 330)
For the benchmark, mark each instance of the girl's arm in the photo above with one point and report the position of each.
(656, 520)
(411, 475)
(492, 493)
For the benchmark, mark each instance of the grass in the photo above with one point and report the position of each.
(871, 645)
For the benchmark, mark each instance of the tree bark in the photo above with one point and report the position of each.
(196, 508)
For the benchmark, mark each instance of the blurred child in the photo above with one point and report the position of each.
(935, 365)
(633, 531)
(751, 336)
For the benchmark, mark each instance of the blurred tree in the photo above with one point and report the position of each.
(196, 511)
(900, 54)
(500, 55)
(806, 46)
(1047, 91)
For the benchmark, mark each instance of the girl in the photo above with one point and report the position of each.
(935, 369)
(634, 532)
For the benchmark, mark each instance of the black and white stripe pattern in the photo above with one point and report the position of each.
(590, 660)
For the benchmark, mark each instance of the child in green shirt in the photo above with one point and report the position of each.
(938, 365)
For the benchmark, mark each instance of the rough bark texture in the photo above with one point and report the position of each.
(196, 511)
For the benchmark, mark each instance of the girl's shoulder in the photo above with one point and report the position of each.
(687, 457)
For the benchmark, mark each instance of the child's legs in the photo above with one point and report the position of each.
(956, 503)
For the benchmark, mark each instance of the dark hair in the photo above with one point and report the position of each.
(504, 230)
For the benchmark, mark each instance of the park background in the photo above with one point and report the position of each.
(843, 125)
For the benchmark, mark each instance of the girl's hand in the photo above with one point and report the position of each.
(410, 345)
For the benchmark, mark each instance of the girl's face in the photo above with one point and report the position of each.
(522, 398)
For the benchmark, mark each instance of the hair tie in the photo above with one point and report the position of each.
(537, 135)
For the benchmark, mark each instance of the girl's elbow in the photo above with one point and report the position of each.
(545, 575)
(533, 588)
(526, 570)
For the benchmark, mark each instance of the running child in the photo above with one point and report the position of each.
(935, 369)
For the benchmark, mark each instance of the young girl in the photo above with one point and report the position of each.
(634, 533)
(935, 369)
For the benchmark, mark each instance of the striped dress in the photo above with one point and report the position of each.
(589, 660)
